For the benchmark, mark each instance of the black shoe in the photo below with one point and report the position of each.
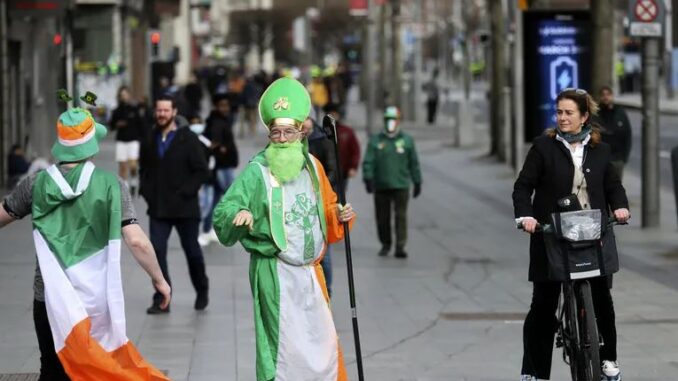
(400, 254)
(384, 251)
(155, 309)
(201, 301)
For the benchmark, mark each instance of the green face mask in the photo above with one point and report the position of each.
(285, 160)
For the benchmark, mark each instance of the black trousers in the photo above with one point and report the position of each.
(431, 109)
(541, 324)
(385, 201)
(50, 366)
(188, 229)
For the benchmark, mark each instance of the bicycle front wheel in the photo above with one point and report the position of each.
(589, 340)
(570, 331)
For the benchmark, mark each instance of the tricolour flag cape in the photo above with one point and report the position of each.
(76, 220)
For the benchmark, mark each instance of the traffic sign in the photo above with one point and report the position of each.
(645, 10)
(647, 18)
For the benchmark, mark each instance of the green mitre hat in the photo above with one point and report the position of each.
(285, 102)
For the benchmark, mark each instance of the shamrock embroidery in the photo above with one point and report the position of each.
(281, 103)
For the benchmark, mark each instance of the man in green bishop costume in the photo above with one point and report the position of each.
(282, 209)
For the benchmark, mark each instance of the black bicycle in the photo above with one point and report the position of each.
(573, 244)
(578, 332)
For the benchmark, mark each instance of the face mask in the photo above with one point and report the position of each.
(391, 126)
(197, 128)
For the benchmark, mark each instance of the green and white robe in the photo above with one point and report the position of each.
(293, 224)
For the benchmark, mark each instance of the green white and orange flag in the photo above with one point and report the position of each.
(76, 220)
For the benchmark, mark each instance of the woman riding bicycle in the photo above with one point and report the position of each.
(567, 160)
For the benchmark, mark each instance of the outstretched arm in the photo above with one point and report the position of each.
(5, 218)
(17, 204)
(230, 224)
(142, 250)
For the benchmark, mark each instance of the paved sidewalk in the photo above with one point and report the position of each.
(452, 311)
(634, 101)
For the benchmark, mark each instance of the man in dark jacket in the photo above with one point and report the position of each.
(320, 146)
(172, 169)
(616, 129)
(349, 147)
(390, 167)
(193, 96)
(219, 130)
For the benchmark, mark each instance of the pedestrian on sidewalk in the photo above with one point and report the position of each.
(17, 165)
(568, 160)
(321, 147)
(615, 129)
(219, 130)
(282, 209)
(80, 213)
(173, 168)
(349, 146)
(206, 193)
(128, 124)
(432, 95)
(193, 95)
(390, 167)
(250, 98)
(320, 94)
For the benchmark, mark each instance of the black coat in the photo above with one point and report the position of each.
(547, 174)
(170, 184)
(320, 146)
(129, 114)
(219, 129)
(616, 131)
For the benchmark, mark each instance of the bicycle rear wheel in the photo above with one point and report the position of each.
(589, 340)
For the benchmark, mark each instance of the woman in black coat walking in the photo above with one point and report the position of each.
(569, 159)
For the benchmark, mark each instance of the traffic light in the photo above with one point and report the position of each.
(57, 39)
(155, 43)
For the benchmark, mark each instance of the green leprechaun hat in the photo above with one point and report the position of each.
(78, 134)
(285, 102)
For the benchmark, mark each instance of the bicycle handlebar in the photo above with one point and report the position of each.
(548, 228)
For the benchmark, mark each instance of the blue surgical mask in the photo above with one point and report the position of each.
(197, 128)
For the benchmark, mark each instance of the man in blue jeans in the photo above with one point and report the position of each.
(219, 130)
(172, 168)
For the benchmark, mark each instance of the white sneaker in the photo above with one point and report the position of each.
(611, 371)
(212, 236)
(203, 239)
(527, 377)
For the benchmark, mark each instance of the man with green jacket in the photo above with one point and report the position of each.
(390, 167)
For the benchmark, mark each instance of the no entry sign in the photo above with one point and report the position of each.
(647, 18)
(646, 10)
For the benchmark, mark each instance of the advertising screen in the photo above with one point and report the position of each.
(557, 56)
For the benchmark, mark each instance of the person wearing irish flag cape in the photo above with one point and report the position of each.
(282, 209)
(80, 216)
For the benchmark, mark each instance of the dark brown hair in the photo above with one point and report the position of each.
(585, 102)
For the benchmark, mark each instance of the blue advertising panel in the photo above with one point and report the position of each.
(557, 56)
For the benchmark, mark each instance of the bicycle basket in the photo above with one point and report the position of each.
(574, 250)
(578, 226)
